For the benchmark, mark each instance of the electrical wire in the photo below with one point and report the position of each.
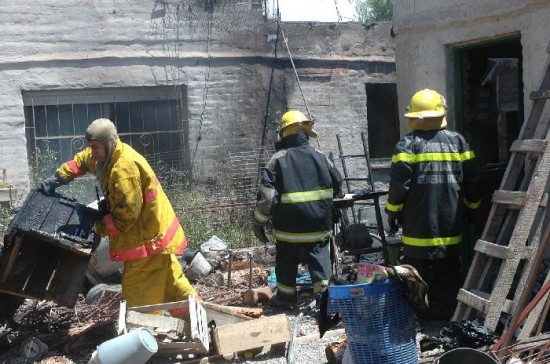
(266, 115)
(285, 41)
(206, 80)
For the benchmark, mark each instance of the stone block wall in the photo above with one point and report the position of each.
(222, 52)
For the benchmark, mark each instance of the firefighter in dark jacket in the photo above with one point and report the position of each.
(296, 192)
(432, 180)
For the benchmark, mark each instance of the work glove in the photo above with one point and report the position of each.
(49, 185)
(259, 231)
(393, 223)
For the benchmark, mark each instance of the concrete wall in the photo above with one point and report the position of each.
(426, 31)
(224, 54)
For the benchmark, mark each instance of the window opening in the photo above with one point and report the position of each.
(383, 119)
(153, 120)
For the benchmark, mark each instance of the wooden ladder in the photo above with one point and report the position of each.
(508, 252)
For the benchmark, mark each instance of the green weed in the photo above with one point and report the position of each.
(206, 208)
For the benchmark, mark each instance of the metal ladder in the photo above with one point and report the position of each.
(370, 199)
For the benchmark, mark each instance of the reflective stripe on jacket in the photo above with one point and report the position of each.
(432, 177)
(296, 192)
(142, 221)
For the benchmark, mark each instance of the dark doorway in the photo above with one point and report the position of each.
(489, 98)
(489, 113)
(383, 119)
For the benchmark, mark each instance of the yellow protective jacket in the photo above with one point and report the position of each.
(141, 221)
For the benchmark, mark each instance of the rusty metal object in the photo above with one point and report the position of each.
(249, 254)
(235, 265)
(258, 295)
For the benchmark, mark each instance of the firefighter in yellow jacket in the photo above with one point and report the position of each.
(140, 222)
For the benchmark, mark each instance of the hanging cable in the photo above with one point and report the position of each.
(285, 41)
(266, 115)
(206, 85)
(338, 16)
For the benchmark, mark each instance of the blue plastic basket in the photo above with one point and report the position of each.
(379, 324)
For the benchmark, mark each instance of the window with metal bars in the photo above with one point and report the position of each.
(153, 120)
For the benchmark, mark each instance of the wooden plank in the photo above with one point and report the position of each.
(472, 300)
(493, 250)
(252, 312)
(170, 326)
(251, 334)
(121, 327)
(530, 343)
(222, 318)
(182, 348)
(499, 212)
(529, 146)
(160, 306)
(198, 326)
(487, 296)
(529, 127)
(541, 94)
(243, 312)
(500, 251)
(14, 250)
(514, 199)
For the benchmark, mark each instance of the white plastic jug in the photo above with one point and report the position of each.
(135, 347)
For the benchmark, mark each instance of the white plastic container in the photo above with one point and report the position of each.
(135, 347)
(213, 250)
(100, 261)
(198, 268)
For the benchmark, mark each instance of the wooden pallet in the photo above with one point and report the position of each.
(180, 337)
(508, 251)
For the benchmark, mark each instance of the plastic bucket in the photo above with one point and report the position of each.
(135, 347)
(465, 355)
(198, 268)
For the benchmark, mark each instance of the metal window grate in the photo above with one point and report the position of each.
(151, 119)
(246, 167)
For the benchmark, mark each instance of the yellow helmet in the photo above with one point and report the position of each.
(426, 104)
(292, 117)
